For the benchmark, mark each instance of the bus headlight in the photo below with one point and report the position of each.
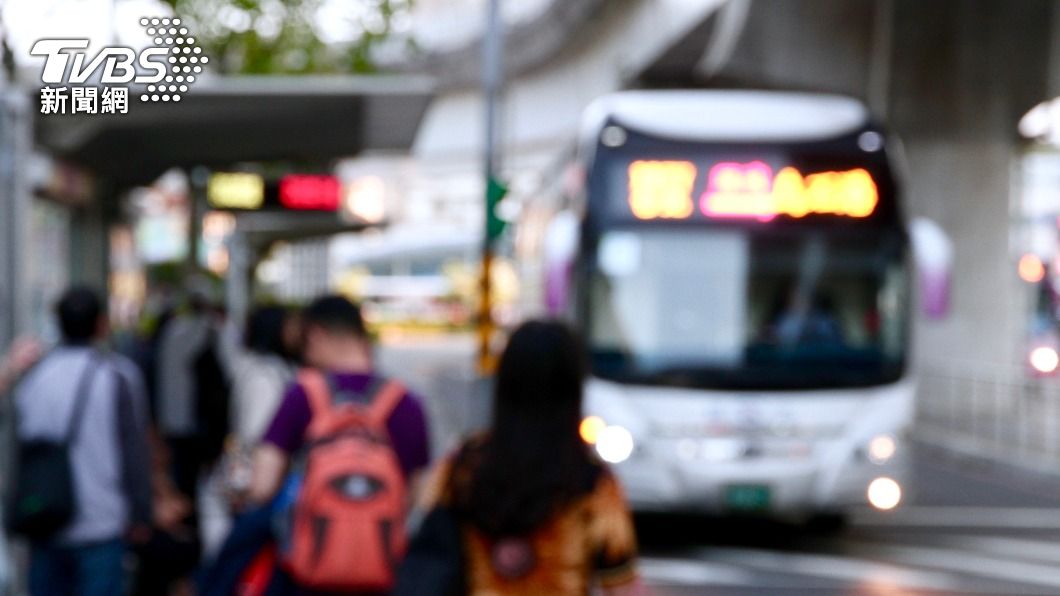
(1044, 359)
(884, 493)
(881, 449)
(615, 444)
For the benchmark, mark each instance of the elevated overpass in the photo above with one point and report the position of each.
(951, 78)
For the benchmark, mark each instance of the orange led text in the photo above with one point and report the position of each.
(663, 190)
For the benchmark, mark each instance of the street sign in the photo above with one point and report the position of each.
(302, 192)
(495, 192)
(246, 191)
(235, 190)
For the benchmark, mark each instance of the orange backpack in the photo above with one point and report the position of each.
(347, 527)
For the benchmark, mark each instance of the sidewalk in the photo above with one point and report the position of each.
(1004, 416)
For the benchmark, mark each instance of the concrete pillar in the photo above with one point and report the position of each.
(963, 73)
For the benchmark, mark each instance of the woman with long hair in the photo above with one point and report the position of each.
(538, 512)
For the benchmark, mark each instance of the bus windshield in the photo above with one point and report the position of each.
(717, 307)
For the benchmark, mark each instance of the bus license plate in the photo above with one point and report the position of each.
(747, 497)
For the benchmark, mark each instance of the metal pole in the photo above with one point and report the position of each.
(15, 143)
(492, 77)
(8, 246)
(879, 80)
(198, 177)
(237, 286)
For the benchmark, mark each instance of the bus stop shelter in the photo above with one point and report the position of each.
(222, 122)
(226, 120)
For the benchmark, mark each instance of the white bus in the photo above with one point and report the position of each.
(740, 268)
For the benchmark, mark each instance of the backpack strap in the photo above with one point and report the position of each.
(318, 394)
(384, 401)
(327, 417)
(83, 390)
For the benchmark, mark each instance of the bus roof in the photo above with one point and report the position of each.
(727, 115)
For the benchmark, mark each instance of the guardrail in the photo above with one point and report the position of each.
(1002, 413)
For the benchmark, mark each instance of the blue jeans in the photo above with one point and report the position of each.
(92, 569)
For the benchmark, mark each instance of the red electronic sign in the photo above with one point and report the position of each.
(310, 193)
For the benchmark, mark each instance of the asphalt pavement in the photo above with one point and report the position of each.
(968, 526)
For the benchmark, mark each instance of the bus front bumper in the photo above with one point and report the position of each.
(826, 481)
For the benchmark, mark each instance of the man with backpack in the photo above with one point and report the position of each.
(82, 488)
(356, 440)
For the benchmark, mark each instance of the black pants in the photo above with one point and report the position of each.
(167, 558)
(185, 462)
(163, 561)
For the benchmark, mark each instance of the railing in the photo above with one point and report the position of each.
(999, 412)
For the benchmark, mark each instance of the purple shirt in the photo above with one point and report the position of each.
(407, 424)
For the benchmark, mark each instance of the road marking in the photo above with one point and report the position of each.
(966, 562)
(868, 574)
(689, 572)
(1041, 551)
(962, 517)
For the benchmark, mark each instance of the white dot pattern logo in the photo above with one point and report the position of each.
(183, 54)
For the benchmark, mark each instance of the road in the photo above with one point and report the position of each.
(969, 526)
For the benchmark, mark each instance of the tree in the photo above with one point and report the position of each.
(292, 36)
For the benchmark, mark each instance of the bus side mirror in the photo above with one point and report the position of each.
(561, 240)
(933, 255)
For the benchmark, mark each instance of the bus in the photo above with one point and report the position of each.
(739, 266)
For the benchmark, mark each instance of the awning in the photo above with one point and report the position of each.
(227, 120)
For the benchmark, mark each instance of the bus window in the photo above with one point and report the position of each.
(711, 307)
